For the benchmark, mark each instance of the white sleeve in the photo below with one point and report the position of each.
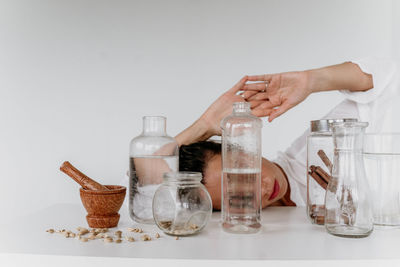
(294, 160)
(382, 71)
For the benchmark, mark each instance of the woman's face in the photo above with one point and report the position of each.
(272, 188)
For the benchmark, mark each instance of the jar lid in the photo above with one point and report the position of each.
(326, 124)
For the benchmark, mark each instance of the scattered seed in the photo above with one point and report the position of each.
(130, 239)
(100, 236)
(83, 231)
(193, 226)
(100, 233)
(145, 238)
(118, 234)
(108, 240)
(135, 230)
(166, 224)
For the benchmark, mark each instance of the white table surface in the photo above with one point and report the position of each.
(286, 235)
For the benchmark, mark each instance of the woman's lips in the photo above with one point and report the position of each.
(276, 190)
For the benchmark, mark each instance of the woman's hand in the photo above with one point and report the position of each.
(222, 107)
(209, 123)
(275, 94)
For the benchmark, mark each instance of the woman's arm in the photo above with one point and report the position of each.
(347, 76)
(209, 123)
(274, 94)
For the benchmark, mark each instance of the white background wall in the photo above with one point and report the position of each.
(77, 76)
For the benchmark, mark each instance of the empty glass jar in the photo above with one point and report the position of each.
(382, 164)
(319, 166)
(151, 155)
(348, 198)
(182, 205)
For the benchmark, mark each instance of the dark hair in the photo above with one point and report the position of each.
(194, 157)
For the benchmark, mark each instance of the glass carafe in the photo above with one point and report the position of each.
(348, 198)
(241, 170)
(151, 155)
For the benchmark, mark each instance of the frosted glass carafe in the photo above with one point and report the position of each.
(151, 155)
(241, 170)
(348, 199)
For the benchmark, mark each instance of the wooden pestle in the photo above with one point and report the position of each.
(80, 178)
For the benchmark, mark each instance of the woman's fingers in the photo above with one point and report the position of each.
(260, 112)
(248, 94)
(279, 111)
(254, 104)
(258, 96)
(255, 86)
(259, 78)
(238, 86)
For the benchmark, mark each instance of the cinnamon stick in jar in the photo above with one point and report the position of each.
(323, 174)
(325, 159)
(80, 178)
(317, 178)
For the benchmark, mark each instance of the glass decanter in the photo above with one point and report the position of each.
(348, 199)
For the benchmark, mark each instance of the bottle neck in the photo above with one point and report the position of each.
(241, 108)
(154, 125)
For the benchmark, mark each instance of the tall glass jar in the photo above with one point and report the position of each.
(319, 166)
(151, 155)
(348, 211)
(241, 170)
(182, 205)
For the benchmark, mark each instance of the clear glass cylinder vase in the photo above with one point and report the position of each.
(241, 170)
(348, 198)
(152, 153)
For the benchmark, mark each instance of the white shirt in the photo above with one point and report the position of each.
(380, 106)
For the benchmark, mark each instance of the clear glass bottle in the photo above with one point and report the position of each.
(151, 155)
(348, 210)
(319, 166)
(241, 170)
(182, 205)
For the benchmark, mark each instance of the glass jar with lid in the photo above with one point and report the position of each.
(319, 166)
(182, 205)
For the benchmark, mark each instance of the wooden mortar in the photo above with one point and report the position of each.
(101, 202)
